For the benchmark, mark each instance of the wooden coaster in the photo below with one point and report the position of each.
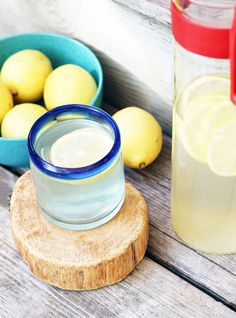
(79, 260)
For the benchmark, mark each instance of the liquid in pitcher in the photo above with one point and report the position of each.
(203, 202)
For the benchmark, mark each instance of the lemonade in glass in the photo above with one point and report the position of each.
(77, 166)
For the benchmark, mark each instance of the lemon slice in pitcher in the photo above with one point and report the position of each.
(201, 92)
(202, 124)
(221, 155)
(200, 104)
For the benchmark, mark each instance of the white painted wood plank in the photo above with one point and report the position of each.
(135, 49)
(131, 37)
(149, 291)
(158, 10)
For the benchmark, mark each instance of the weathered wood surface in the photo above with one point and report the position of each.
(214, 274)
(132, 38)
(149, 291)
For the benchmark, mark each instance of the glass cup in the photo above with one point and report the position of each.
(76, 198)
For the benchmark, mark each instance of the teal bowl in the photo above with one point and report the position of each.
(60, 50)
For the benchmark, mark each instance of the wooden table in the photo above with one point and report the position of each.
(173, 280)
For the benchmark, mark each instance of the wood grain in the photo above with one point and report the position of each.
(92, 259)
(132, 38)
(215, 274)
(149, 291)
(132, 75)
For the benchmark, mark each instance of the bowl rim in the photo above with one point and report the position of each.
(72, 40)
(13, 139)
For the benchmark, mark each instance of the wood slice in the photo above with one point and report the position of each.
(78, 260)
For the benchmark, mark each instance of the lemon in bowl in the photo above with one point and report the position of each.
(18, 121)
(24, 73)
(6, 101)
(59, 50)
(69, 84)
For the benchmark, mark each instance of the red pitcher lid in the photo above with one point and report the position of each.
(199, 39)
(206, 40)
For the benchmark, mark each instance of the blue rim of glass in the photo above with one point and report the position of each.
(74, 173)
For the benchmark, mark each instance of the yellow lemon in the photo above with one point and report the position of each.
(24, 73)
(19, 120)
(69, 84)
(141, 136)
(6, 101)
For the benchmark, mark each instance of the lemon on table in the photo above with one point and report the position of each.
(19, 120)
(6, 100)
(141, 136)
(69, 84)
(25, 73)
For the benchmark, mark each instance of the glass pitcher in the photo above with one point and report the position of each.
(203, 194)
